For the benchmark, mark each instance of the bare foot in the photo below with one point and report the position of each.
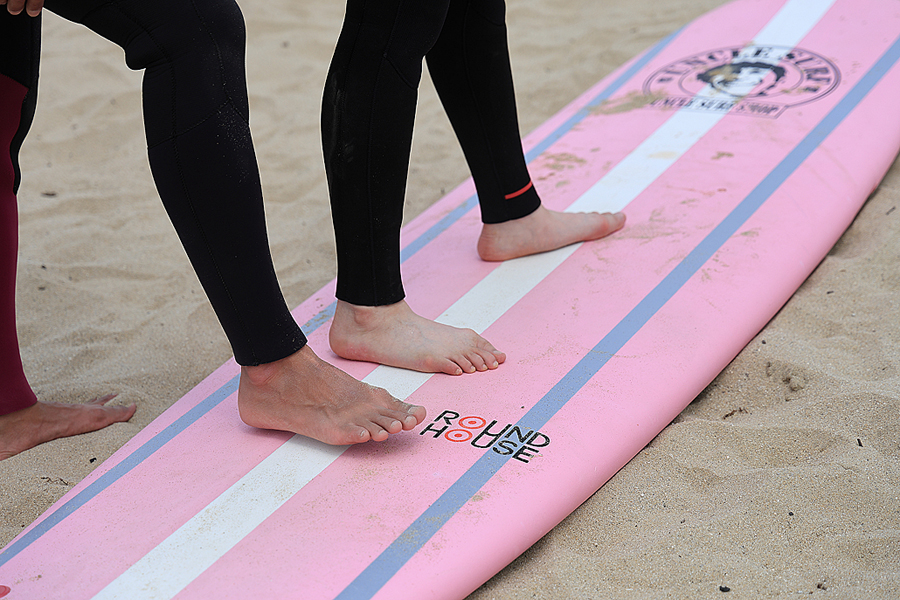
(544, 230)
(46, 421)
(306, 395)
(394, 335)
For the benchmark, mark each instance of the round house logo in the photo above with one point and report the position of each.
(511, 440)
(755, 80)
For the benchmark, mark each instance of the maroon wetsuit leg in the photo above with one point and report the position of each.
(15, 393)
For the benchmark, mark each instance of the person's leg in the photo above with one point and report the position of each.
(201, 155)
(368, 111)
(471, 71)
(470, 68)
(25, 422)
(19, 43)
(203, 162)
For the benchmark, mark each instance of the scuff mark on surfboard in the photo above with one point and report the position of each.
(707, 193)
(666, 155)
(627, 103)
(562, 161)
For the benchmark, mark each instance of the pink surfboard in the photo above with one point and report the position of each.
(740, 147)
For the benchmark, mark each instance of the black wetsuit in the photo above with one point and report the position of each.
(201, 155)
(367, 122)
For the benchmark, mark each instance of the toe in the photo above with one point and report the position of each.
(613, 222)
(353, 435)
(463, 362)
(378, 433)
(458, 365)
(416, 412)
(479, 360)
(389, 424)
(492, 358)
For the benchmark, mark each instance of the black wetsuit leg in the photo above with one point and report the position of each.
(19, 55)
(201, 154)
(367, 122)
(470, 68)
(368, 112)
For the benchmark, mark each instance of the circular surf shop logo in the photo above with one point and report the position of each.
(754, 80)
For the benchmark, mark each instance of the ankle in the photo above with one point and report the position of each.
(365, 317)
(260, 375)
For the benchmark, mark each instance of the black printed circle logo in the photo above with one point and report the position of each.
(757, 80)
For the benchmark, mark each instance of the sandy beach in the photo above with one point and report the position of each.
(781, 480)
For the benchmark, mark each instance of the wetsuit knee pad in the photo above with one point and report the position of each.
(401, 31)
(210, 34)
(161, 31)
(200, 44)
(416, 29)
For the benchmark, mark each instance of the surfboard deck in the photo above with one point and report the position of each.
(740, 147)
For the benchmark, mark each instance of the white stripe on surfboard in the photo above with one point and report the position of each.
(184, 555)
(196, 545)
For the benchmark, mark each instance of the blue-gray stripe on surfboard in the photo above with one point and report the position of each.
(373, 578)
(121, 469)
(211, 401)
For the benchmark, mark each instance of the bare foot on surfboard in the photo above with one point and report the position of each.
(306, 395)
(46, 421)
(394, 335)
(542, 231)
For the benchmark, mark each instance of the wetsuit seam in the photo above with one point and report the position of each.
(377, 299)
(390, 42)
(369, 207)
(339, 127)
(212, 114)
(399, 73)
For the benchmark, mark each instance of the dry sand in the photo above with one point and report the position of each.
(780, 480)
